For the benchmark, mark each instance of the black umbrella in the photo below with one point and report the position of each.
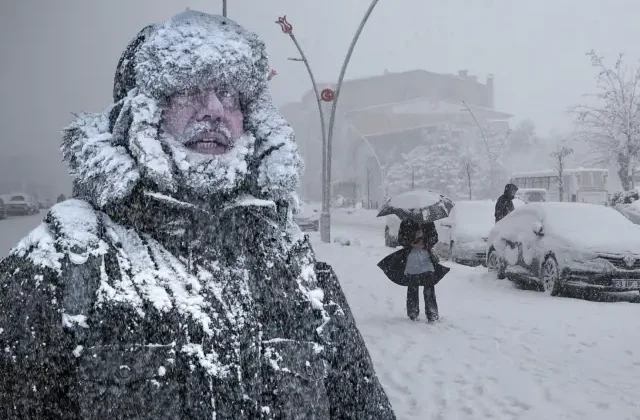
(419, 205)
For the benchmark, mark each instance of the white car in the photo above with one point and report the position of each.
(21, 204)
(308, 217)
(465, 232)
(567, 244)
(391, 229)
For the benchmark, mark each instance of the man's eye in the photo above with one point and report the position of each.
(228, 97)
(225, 94)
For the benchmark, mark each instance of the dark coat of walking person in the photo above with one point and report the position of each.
(415, 266)
(504, 205)
(175, 284)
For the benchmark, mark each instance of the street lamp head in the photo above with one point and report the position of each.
(286, 27)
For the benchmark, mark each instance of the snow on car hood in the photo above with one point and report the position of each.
(592, 228)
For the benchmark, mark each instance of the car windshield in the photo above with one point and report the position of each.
(17, 198)
(536, 197)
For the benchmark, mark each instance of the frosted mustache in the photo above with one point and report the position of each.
(195, 131)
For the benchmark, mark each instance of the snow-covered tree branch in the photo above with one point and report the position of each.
(611, 126)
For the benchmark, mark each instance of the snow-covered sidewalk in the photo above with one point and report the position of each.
(499, 352)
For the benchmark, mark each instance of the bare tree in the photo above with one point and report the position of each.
(612, 127)
(560, 159)
(469, 168)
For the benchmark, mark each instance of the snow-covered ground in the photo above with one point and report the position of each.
(14, 228)
(498, 353)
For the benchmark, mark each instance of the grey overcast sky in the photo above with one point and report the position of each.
(59, 56)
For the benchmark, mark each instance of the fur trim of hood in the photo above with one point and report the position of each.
(111, 153)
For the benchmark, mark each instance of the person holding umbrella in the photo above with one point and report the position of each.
(415, 264)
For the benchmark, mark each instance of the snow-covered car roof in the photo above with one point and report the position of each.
(582, 225)
(474, 217)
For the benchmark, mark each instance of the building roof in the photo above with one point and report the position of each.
(394, 118)
(410, 85)
(553, 172)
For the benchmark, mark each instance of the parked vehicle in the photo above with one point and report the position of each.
(308, 218)
(532, 195)
(583, 185)
(465, 232)
(391, 228)
(3, 209)
(21, 204)
(558, 245)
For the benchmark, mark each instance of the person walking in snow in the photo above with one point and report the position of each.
(504, 204)
(175, 284)
(415, 266)
(420, 267)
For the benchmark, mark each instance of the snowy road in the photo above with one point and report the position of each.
(14, 228)
(498, 353)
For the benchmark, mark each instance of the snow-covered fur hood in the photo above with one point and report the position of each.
(112, 153)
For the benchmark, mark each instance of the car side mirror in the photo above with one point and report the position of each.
(538, 229)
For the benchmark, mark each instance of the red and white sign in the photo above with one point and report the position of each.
(327, 95)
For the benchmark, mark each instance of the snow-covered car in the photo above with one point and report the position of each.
(465, 232)
(630, 211)
(21, 204)
(391, 229)
(567, 244)
(308, 218)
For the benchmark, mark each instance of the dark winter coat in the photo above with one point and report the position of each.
(99, 321)
(393, 265)
(176, 286)
(504, 204)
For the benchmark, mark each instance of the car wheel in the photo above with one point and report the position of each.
(494, 264)
(550, 277)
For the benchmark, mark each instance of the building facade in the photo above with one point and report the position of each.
(381, 117)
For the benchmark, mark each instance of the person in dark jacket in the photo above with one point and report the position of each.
(504, 205)
(175, 283)
(420, 267)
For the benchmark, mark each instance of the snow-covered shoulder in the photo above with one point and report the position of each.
(69, 229)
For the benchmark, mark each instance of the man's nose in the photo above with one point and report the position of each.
(211, 107)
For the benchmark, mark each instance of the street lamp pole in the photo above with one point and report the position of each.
(327, 95)
(325, 233)
(287, 28)
(224, 8)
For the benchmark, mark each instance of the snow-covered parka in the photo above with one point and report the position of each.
(174, 286)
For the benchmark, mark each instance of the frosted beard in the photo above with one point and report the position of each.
(206, 175)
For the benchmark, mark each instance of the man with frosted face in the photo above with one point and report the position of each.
(174, 285)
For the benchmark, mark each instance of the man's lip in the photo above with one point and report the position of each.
(208, 143)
